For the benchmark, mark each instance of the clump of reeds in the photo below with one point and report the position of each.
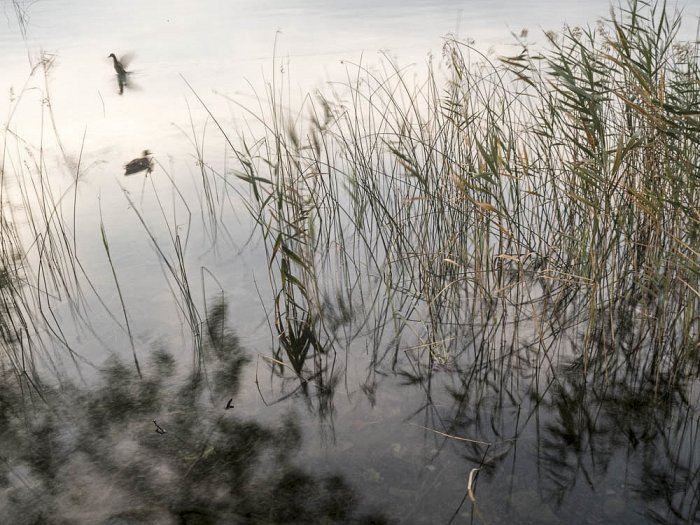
(547, 193)
(614, 135)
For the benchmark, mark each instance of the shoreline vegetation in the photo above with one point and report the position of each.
(553, 191)
(555, 188)
(529, 221)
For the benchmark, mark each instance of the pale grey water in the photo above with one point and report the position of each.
(380, 443)
(226, 51)
(229, 46)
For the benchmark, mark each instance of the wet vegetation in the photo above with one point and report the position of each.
(508, 249)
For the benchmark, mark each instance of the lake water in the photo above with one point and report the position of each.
(368, 440)
(228, 52)
(228, 47)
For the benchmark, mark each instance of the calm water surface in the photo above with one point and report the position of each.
(242, 441)
(229, 52)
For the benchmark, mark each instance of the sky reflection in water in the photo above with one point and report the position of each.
(197, 448)
(167, 449)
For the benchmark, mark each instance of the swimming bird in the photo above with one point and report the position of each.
(140, 164)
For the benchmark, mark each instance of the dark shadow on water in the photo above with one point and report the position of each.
(162, 449)
(606, 439)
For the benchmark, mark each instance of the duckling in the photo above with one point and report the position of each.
(140, 164)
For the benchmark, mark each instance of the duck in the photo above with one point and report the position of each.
(122, 73)
(140, 164)
(118, 66)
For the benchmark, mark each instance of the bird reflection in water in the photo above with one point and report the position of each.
(140, 164)
(120, 66)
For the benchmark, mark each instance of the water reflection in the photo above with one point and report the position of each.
(620, 445)
(163, 449)
(595, 440)
(609, 437)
